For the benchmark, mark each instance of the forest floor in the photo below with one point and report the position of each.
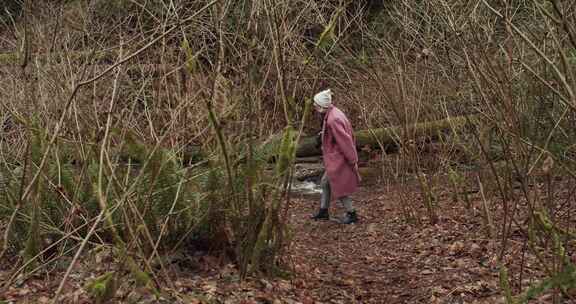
(381, 259)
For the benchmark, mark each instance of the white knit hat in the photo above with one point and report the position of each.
(323, 99)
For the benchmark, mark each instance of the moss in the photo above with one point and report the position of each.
(103, 288)
(390, 135)
(9, 58)
(285, 151)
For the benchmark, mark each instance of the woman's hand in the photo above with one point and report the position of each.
(319, 140)
(357, 172)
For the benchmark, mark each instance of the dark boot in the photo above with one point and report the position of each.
(321, 215)
(349, 218)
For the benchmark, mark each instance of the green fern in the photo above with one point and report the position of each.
(35, 200)
(157, 192)
(20, 227)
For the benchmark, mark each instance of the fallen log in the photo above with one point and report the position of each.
(391, 136)
(307, 151)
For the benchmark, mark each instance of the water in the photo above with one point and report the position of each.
(305, 187)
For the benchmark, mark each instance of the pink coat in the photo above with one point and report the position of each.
(339, 153)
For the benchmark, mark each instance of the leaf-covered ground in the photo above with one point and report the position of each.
(381, 259)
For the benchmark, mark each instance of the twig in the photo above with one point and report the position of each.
(97, 77)
(103, 207)
(18, 205)
(557, 72)
(487, 216)
(64, 237)
(77, 256)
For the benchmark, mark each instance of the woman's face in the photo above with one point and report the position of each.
(319, 109)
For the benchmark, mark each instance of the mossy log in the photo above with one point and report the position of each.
(391, 136)
(70, 152)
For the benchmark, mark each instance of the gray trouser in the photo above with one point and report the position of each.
(326, 195)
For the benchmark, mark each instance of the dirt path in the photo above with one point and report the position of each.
(384, 260)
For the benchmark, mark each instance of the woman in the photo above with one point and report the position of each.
(340, 159)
